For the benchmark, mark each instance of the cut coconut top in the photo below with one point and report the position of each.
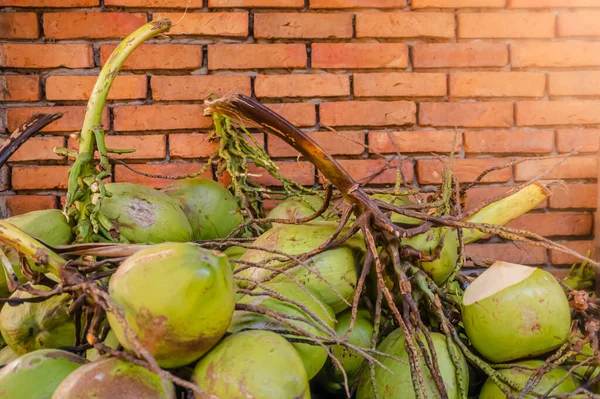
(499, 276)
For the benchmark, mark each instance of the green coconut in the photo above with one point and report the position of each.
(252, 364)
(235, 252)
(43, 325)
(211, 209)
(312, 356)
(588, 371)
(441, 268)
(331, 377)
(298, 207)
(113, 378)
(7, 355)
(36, 375)
(521, 374)
(177, 297)
(398, 200)
(337, 266)
(399, 385)
(514, 311)
(142, 215)
(49, 226)
(111, 341)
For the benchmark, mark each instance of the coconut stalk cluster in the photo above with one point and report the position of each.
(193, 291)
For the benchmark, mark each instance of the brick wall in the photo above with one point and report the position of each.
(514, 78)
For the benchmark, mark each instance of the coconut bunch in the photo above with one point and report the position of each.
(193, 291)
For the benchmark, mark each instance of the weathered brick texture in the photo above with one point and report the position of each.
(494, 80)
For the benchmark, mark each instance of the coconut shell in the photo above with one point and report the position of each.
(252, 364)
(520, 376)
(512, 312)
(337, 266)
(331, 377)
(143, 215)
(178, 298)
(36, 375)
(43, 325)
(312, 356)
(211, 209)
(113, 378)
(399, 385)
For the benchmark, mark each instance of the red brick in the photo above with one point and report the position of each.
(458, 4)
(368, 113)
(59, 87)
(573, 168)
(413, 141)
(27, 55)
(467, 170)
(160, 117)
(578, 23)
(478, 195)
(512, 252)
(49, 3)
(359, 55)
(508, 142)
(123, 174)
(93, 25)
(515, 25)
(256, 3)
(555, 224)
(335, 143)
(71, 120)
(146, 147)
(574, 83)
(256, 56)
(363, 170)
(39, 177)
(547, 113)
(19, 88)
(20, 204)
(581, 247)
(487, 114)
(557, 54)
(198, 87)
(582, 140)
(19, 25)
(302, 26)
(497, 84)
(159, 56)
(454, 55)
(574, 196)
(299, 114)
(38, 149)
(197, 145)
(154, 3)
(301, 172)
(230, 24)
(399, 84)
(357, 3)
(302, 85)
(553, 3)
(438, 25)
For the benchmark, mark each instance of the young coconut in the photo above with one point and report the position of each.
(111, 341)
(313, 356)
(140, 214)
(7, 355)
(520, 373)
(399, 385)
(178, 298)
(514, 311)
(36, 375)
(210, 208)
(337, 266)
(331, 377)
(113, 378)
(252, 364)
(299, 207)
(42, 325)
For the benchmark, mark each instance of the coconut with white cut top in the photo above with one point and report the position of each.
(513, 311)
